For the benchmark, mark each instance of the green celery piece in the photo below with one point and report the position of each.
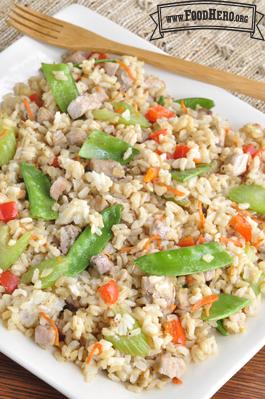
(8, 144)
(136, 118)
(64, 91)
(89, 244)
(251, 194)
(184, 175)
(226, 305)
(38, 189)
(161, 100)
(100, 145)
(221, 328)
(136, 345)
(10, 254)
(192, 102)
(105, 60)
(105, 114)
(184, 261)
(58, 267)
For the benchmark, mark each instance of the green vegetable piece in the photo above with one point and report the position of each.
(161, 100)
(10, 254)
(49, 271)
(257, 286)
(252, 194)
(135, 345)
(64, 91)
(8, 144)
(184, 261)
(184, 203)
(221, 328)
(135, 118)
(89, 244)
(100, 145)
(184, 175)
(105, 60)
(38, 189)
(226, 306)
(192, 102)
(105, 114)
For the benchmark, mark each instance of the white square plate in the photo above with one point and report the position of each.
(22, 60)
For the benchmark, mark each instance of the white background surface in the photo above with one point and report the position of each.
(22, 60)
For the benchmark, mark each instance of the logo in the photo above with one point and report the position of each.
(219, 15)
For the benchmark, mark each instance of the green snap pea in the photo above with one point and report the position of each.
(7, 144)
(10, 254)
(192, 102)
(221, 328)
(161, 100)
(184, 175)
(38, 189)
(251, 194)
(225, 306)
(100, 145)
(184, 261)
(64, 91)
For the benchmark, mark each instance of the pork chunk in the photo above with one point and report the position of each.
(124, 80)
(101, 263)
(77, 57)
(76, 136)
(80, 105)
(68, 235)
(159, 290)
(108, 167)
(171, 366)
(58, 187)
(236, 164)
(111, 68)
(160, 228)
(44, 115)
(44, 336)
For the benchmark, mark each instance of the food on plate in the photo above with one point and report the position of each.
(131, 221)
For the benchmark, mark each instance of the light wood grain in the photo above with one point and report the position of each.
(16, 382)
(66, 35)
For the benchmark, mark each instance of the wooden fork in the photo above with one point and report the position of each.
(69, 36)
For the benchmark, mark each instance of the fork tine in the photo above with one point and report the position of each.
(38, 22)
(36, 34)
(38, 16)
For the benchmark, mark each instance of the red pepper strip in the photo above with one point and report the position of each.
(241, 226)
(157, 112)
(109, 292)
(35, 98)
(156, 135)
(186, 242)
(8, 211)
(181, 151)
(9, 281)
(175, 329)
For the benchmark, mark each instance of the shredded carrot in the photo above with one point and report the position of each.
(127, 69)
(96, 347)
(257, 243)
(126, 249)
(190, 280)
(201, 240)
(241, 226)
(183, 107)
(28, 109)
(151, 239)
(187, 241)
(34, 237)
(176, 381)
(170, 188)
(172, 307)
(53, 326)
(235, 241)
(204, 301)
(177, 332)
(197, 160)
(201, 215)
(151, 174)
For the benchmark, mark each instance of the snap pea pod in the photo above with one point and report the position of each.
(64, 90)
(184, 261)
(104, 114)
(8, 144)
(38, 189)
(226, 305)
(192, 102)
(184, 175)
(100, 145)
(257, 286)
(134, 345)
(10, 254)
(220, 328)
(161, 100)
(251, 194)
(89, 244)
(49, 271)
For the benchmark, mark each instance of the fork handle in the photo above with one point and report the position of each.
(192, 70)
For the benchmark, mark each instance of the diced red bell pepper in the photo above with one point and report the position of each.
(169, 156)
(55, 162)
(250, 149)
(157, 112)
(8, 211)
(181, 151)
(35, 98)
(155, 135)
(9, 281)
(109, 292)
(186, 241)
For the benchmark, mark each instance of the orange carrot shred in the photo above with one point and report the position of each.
(235, 241)
(28, 109)
(151, 239)
(187, 241)
(170, 188)
(183, 107)
(204, 301)
(96, 347)
(126, 249)
(53, 326)
(176, 381)
(197, 160)
(190, 280)
(201, 240)
(127, 69)
(201, 215)
(257, 243)
(151, 174)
